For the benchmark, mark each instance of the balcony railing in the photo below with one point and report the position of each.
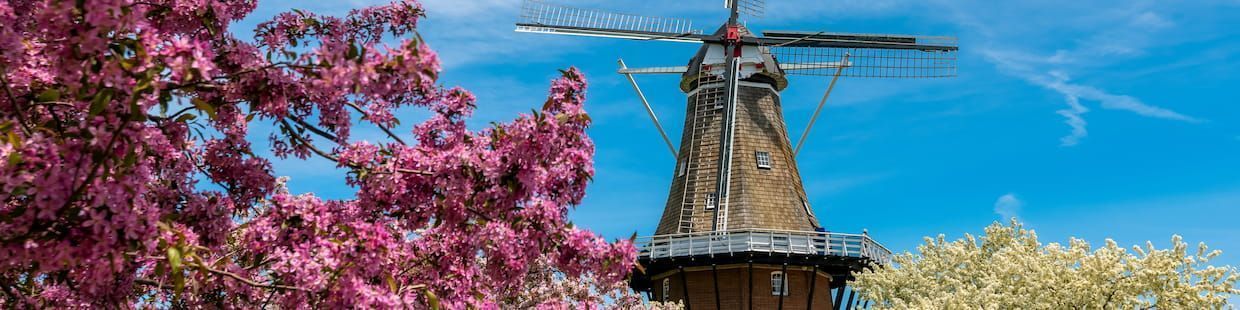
(763, 241)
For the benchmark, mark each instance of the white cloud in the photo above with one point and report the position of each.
(1072, 117)
(1008, 206)
(1098, 37)
(1032, 69)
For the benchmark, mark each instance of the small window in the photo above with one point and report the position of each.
(807, 209)
(684, 167)
(711, 201)
(779, 284)
(764, 159)
(667, 288)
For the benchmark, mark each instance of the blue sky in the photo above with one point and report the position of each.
(1095, 119)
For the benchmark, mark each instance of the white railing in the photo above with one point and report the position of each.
(763, 241)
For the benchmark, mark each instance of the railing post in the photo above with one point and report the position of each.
(710, 244)
(690, 245)
(788, 250)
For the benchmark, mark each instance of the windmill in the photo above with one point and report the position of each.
(737, 210)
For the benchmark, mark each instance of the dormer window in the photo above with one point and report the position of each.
(764, 159)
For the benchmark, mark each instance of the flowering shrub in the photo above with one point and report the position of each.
(1008, 268)
(116, 114)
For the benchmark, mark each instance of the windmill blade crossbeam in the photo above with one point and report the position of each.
(655, 70)
(611, 33)
(852, 40)
(814, 65)
(541, 17)
(865, 62)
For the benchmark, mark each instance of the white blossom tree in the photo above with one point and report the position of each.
(1008, 268)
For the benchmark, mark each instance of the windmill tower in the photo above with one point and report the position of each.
(738, 231)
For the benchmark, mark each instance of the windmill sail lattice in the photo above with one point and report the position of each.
(870, 56)
(540, 16)
(755, 8)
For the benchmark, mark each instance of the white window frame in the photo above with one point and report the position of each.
(684, 168)
(667, 288)
(776, 278)
(805, 203)
(712, 200)
(763, 159)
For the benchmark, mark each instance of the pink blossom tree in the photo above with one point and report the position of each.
(126, 178)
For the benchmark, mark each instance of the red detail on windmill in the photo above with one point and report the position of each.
(734, 33)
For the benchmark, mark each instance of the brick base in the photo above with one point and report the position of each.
(735, 289)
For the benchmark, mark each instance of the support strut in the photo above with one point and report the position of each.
(838, 70)
(649, 110)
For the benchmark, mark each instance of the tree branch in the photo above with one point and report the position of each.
(17, 107)
(315, 130)
(324, 154)
(381, 127)
(249, 282)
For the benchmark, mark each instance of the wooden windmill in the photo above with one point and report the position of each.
(738, 231)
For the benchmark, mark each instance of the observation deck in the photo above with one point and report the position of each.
(836, 254)
(765, 241)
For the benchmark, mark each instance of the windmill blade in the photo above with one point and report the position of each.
(654, 70)
(869, 55)
(853, 40)
(813, 65)
(755, 8)
(538, 16)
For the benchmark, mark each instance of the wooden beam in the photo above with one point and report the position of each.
(684, 286)
(783, 286)
(714, 276)
(813, 281)
(751, 285)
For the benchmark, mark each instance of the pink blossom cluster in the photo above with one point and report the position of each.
(126, 179)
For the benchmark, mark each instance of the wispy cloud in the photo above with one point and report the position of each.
(1072, 117)
(1026, 67)
(1008, 206)
(1128, 33)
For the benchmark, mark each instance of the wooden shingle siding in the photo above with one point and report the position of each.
(760, 198)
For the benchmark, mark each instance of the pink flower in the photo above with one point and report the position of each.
(126, 175)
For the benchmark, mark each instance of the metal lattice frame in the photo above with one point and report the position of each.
(755, 8)
(541, 13)
(867, 62)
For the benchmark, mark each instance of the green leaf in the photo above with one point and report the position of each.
(14, 140)
(100, 101)
(391, 282)
(15, 158)
(432, 300)
(352, 53)
(144, 85)
(130, 159)
(48, 95)
(174, 261)
(204, 106)
(186, 117)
